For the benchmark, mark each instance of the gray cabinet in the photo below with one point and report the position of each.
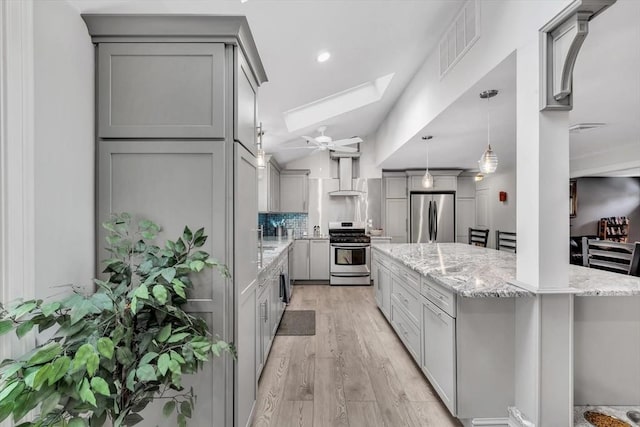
(396, 187)
(269, 186)
(396, 219)
(383, 289)
(161, 90)
(246, 106)
(301, 256)
(439, 352)
(294, 190)
(264, 326)
(440, 183)
(167, 100)
(246, 271)
(319, 259)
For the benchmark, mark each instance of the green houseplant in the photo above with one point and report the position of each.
(119, 348)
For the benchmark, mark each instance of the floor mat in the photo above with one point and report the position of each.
(298, 322)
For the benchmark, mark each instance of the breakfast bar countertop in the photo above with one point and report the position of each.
(476, 272)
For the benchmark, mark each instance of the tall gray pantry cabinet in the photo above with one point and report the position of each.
(176, 100)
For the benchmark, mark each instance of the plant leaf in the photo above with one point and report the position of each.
(86, 395)
(164, 333)
(5, 326)
(146, 373)
(105, 347)
(168, 274)
(41, 377)
(23, 309)
(182, 421)
(141, 292)
(168, 408)
(59, 369)
(187, 235)
(163, 363)
(49, 309)
(82, 356)
(196, 266)
(132, 419)
(46, 353)
(148, 358)
(124, 356)
(8, 389)
(9, 370)
(49, 404)
(177, 337)
(77, 422)
(185, 409)
(100, 386)
(160, 293)
(24, 328)
(92, 364)
(131, 380)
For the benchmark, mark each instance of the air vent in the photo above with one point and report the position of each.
(583, 127)
(460, 36)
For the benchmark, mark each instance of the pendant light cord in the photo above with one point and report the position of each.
(488, 122)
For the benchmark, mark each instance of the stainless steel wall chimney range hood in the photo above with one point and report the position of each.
(346, 175)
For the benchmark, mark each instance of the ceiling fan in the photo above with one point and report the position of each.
(324, 142)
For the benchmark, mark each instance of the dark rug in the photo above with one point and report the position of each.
(298, 322)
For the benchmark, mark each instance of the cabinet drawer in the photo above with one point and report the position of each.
(407, 299)
(408, 276)
(406, 330)
(440, 296)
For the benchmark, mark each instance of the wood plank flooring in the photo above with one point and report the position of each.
(354, 372)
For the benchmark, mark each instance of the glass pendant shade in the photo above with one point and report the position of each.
(427, 180)
(479, 177)
(260, 160)
(488, 162)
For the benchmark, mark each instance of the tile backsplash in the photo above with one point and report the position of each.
(296, 221)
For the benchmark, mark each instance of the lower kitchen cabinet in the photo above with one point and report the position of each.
(439, 352)
(263, 329)
(301, 257)
(465, 347)
(319, 259)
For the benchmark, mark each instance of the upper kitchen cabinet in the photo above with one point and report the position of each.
(294, 190)
(443, 180)
(176, 76)
(396, 186)
(161, 90)
(269, 186)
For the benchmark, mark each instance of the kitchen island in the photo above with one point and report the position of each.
(453, 306)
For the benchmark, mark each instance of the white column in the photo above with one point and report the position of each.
(544, 322)
(17, 159)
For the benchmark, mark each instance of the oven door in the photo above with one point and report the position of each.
(350, 259)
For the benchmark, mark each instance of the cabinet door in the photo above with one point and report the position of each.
(319, 260)
(396, 219)
(384, 290)
(263, 190)
(245, 273)
(293, 192)
(132, 177)
(274, 189)
(276, 301)
(263, 329)
(301, 257)
(245, 126)
(439, 352)
(445, 183)
(396, 187)
(161, 90)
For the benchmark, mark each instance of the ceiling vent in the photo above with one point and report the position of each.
(584, 127)
(460, 36)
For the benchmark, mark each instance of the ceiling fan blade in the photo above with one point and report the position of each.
(296, 148)
(342, 149)
(347, 141)
(310, 140)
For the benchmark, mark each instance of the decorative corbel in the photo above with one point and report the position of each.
(561, 40)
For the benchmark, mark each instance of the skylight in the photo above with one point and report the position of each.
(336, 104)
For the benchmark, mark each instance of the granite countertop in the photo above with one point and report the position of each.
(476, 272)
(311, 237)
(273, 248)
(619, 412)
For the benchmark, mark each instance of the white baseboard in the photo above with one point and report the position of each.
(486, 422)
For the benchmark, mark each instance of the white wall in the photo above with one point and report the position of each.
(64, 147)
(505, 26)
(502, 215)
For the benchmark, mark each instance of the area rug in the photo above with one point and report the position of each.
(298, 322)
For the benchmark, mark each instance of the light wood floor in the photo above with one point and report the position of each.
(353, 372)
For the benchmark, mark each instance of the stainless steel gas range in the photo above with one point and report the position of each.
(350, 254)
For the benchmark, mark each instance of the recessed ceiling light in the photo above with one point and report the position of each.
(323, 56)
(243, 1)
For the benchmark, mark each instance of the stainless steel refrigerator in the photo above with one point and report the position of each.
(433, 217)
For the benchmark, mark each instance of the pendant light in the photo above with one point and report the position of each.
(427, 179)
(488, 162)
(260, 159)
